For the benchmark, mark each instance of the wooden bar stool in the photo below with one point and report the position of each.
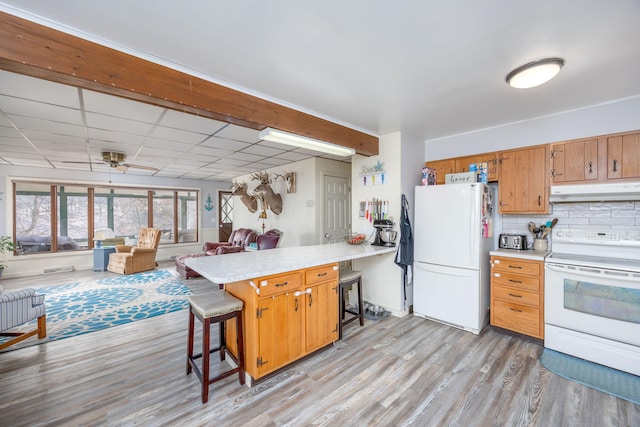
(214, 307)
(347, 279)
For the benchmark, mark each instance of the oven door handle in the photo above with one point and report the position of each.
(591, 272)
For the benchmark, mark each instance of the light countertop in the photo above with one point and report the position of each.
(524, 254)
(248, 265)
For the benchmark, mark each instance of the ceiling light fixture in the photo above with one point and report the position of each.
(282, 137)
(535, 73)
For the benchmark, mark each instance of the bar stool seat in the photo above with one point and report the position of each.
(348, 278)
(214, 307)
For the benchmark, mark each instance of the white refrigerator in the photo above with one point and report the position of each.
(453, 229)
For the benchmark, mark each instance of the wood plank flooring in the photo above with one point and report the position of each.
(393, 372)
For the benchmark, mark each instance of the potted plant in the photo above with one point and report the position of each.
(6, 245)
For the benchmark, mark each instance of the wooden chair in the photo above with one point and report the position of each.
(134, 259)
(20, 307)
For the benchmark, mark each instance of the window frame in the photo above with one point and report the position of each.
(94, 188)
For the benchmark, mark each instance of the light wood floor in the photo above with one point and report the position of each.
(393, 372)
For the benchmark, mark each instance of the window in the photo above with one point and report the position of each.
(64, 217)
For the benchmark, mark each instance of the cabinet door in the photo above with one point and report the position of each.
(574, 161)
(491, 159)
(623, 156)
(442, 168)
(280, 320)
(321, 315)
(524, 181)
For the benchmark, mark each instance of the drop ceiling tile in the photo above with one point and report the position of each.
(200, 150)
(273, 161)
(239, 133)
(263, 150)
(292, 156)
(225, 144)
(39, 137)
(168, 145)
(191, 122)
(12, 140)
(27, 108)
(241, 155)
(18, 148)
(228, 164)
(22, 86)
(120, 107)
(36, 124)
(179, 135)
(103, 121)
(98, 136)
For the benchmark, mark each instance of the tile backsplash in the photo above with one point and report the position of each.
(600, 215)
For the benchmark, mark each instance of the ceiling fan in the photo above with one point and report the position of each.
(115, 160)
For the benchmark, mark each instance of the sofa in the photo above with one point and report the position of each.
(237, 241)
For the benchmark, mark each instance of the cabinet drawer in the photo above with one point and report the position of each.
(518, 318)
(516, 281)
(517, 266)
(516, 296)
(275, 284)
(321, 274)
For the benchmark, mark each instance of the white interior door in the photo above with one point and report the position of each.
(337, 197)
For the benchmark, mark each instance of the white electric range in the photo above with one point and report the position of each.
(592, 296)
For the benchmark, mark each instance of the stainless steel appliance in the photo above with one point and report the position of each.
(592, 296)
(385, 236)
(512, 241)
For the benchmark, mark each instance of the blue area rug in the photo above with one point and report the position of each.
(81, 307)
(620, 384)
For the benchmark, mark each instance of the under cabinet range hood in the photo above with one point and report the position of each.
(623, 191)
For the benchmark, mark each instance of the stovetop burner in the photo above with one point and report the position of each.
(613, 249)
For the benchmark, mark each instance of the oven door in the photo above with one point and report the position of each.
(596, 301)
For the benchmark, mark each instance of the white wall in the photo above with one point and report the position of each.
(618, 116)
(382, 279)
(28, 265)
(300, 216)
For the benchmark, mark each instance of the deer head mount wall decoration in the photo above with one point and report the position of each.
(290, 179)
(249, 200)
(273, 200)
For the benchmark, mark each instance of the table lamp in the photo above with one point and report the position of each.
(98, 238)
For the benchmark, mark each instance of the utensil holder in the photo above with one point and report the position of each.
(540, 244)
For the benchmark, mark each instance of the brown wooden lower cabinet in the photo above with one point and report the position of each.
(517, 295)
(285, 317)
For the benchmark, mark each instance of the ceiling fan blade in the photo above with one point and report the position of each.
(150, 168)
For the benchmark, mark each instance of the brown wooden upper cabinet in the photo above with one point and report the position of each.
(524, 181)
(574, 161)
(442, 168)
(623, 156)
(462, 164)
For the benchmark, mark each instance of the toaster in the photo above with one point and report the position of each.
(513, 241)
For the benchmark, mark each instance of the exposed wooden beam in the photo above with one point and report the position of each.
(39, 51)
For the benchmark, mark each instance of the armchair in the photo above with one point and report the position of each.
(134, 259)
(269, 240)
(17, 308)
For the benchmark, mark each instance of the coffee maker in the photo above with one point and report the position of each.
(385, 236)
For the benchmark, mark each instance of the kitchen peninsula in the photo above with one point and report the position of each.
(290, 299)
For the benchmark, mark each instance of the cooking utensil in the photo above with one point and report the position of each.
(532, 226)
